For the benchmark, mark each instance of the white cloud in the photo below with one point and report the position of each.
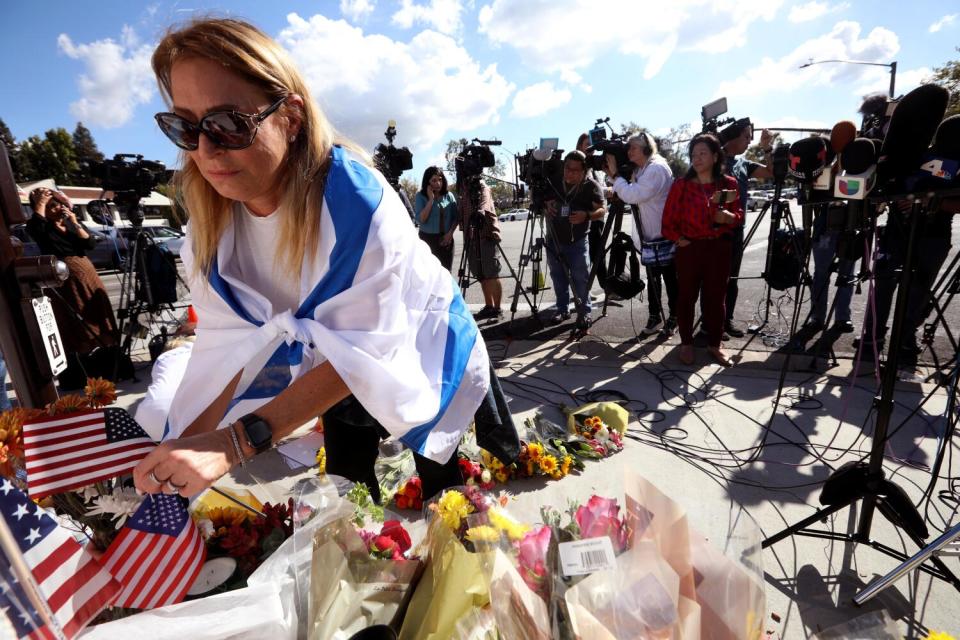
(555, 35)
(117, 78)
(357, 10)
(813, 10)
(843, 42)
(537, 99)
(442, 15)
(429, 85)
(945, 21)
(877, 79)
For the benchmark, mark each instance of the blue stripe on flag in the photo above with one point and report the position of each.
(353, 195)
(461, 336)
(222, 287)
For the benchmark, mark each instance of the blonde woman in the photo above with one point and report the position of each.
(314, 295)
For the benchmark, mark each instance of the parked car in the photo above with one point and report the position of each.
(122, 237)
(755, 200)
(103, 255)
(515, 214)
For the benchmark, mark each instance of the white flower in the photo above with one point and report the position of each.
(603, 433)
(485, 477)
(206, 528)
(121, 504)
(89, 493)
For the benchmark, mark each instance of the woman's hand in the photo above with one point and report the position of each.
(41, 205)
(187, 465)
(683, 242)
(579, 217)
(446, 239)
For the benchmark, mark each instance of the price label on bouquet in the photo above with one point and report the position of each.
(586, 556)
(50, 335)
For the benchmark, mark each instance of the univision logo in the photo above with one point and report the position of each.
(849, 187)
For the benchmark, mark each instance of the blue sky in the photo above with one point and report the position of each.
(516, 70)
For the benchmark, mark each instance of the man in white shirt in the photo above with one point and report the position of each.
(647, 188)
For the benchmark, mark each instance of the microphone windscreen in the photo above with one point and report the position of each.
(542, 154)
(947, 141)
(808, 157)
(911, 129)
(842, 134)
(859, 155)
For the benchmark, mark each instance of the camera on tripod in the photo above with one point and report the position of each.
(615, 145)
(131, 178)
(474, 158)
(542, 171)
(710, 115)
(392, 161)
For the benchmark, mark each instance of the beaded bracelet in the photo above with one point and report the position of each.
(236, 446)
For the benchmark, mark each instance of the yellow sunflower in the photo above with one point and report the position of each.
(535, 451)
(548, 464)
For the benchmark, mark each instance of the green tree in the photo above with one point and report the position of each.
(455, 148)
(948, 76)
(85, 149)
(50, 157)
(10, 144)
(410, 187)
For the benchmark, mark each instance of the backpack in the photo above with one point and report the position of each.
(786, 267)
(613, 275)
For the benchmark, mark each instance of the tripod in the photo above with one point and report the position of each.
(865, 482)
(138, 294)
(613, 224)
(779, 212)
(531, 254)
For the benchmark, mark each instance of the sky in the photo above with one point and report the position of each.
(513, 70)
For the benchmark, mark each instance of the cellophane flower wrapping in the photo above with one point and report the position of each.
(669, 581)
(350, 589)
(454, 584)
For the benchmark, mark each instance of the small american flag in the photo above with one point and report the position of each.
(76, 450)
(157, 555)
(74, 585)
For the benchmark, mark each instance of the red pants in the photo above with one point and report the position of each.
(703, 269)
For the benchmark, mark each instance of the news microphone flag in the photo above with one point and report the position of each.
(75, 586)
(157, 555)
(72, 451)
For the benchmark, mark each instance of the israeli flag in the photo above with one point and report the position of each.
(374, 302)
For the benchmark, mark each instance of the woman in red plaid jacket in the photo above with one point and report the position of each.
(700, 215)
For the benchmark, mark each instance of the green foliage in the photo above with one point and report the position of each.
(84, 148)
(360, 496)
(948, 76)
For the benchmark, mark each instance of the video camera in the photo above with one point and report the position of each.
(615, 145)
(131, 178)
(392, 161)
(474, 158)
(710, 114)
(542, 171)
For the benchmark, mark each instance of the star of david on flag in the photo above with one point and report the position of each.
(74, 585)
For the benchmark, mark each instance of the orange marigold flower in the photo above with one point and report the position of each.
(68, 404)
(100, 392)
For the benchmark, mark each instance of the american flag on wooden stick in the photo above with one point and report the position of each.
(72, 451)
(157, 555)
(73, 584)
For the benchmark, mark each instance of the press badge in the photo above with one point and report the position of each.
(565, 211)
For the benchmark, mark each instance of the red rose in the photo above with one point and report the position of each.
(403, 502)
(394, 530)
(385, 545)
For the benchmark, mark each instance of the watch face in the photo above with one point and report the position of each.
(258, 432)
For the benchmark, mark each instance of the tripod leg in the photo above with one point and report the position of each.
(820, 514)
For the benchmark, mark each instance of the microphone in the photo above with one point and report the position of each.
(941, 165)
(859, 155)
(841, 135)
(912, 127)
(808, 158)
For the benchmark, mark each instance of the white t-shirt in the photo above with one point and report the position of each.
(256, 247)
(168, 370)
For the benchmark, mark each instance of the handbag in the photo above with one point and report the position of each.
(657, 253)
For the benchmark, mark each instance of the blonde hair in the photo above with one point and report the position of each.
(248, 52)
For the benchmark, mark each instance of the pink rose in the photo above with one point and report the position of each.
(599, 518)
(532, 558)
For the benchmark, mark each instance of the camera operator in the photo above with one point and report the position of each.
(437, 215)
(595, 238)
(576, 203)
(481, 235)
(735, 139)
(825, 243)
(82, 307)
(647, 188)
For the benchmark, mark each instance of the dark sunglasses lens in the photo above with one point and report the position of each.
(181, 133)
(228, 130)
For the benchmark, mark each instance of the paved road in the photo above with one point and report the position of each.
(623, 319)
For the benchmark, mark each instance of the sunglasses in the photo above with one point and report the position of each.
(226, 129)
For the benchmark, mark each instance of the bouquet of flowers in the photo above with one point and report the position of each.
(647, 574)
(361, 576)
(454, 583)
